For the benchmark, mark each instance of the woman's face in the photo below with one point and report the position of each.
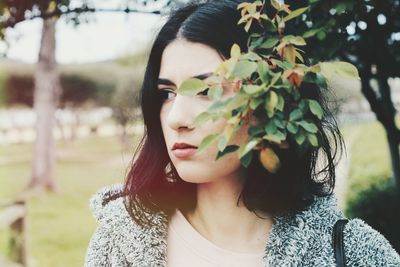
(181, 60)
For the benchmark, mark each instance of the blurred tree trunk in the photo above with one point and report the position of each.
(46, 98)
(382, 106)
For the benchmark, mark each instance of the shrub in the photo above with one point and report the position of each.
(378, 206)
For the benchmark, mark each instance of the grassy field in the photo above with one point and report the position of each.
(60, 225)
(370, 158)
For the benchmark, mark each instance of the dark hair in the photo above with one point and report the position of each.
(153, 185)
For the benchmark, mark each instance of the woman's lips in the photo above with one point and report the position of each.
(184, 152)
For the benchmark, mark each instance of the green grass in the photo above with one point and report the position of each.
(370, 158)
(60, 225)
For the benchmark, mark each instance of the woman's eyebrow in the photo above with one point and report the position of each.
(168, 82)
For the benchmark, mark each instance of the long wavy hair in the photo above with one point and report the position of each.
(153, 184)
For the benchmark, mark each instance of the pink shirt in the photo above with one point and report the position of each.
(187, 247)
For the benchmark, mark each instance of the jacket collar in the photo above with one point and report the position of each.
(287, 243)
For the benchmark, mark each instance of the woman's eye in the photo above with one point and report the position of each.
(166, 94)
(205, 92)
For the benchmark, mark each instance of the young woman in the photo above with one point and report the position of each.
(181, 208)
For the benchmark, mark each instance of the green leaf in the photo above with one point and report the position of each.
(284, 64)
(308, 126)
(268, 24)
(295, 13)
(269, 43)
(315, 108)
(291, 127)
(222, 143)
(246, 159)
(218, 106)
(271, 101)
(207, 141)
(263, 69)
(295, 115)
(281, 103)
(236, 101)
(300, 138)
(310, 33)
(321, 35)
(275, 78)
(215, 92)
(270, 127)
(295, 40)
(279, 123)
(243, 69)
(250, 56)
(276, 137)
(201, 118)
(341, 8)
(302, 105)
(313, 139)
(255, 102)
(192, 87)
(252, 89)
(227, 150)
(246, 148)
(255, 130)
(255, 41)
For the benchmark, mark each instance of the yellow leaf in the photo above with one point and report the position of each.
(243, 19)
(344, 69)
(226, 67)
(256, 15)
(298, 55)
(248, 25)
(52, 6)
(275, 4)
(269, 160)
(228, 131)
(285, 8)
(235, 51)
(295, 14)
(281, 25)
(252, 9)
(243, 5)
(316, 68)
(289, 54)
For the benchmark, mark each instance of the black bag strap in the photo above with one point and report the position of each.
(338, 245)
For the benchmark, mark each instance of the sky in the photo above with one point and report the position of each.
(107, 36)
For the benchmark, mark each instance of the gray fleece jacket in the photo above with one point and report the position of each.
(301, 239)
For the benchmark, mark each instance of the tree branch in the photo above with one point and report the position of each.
(11, 22)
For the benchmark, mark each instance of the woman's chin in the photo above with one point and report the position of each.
(195, 180)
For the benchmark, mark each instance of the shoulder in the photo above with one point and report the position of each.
(109, 215)
(366, 246)
(107, 204)
(118, 240)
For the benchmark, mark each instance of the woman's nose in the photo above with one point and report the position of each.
(181, 114)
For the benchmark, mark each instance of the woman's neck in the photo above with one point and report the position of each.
(219, 219)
